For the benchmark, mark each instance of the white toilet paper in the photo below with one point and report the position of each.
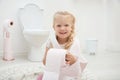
(54, 60)
(50, 75)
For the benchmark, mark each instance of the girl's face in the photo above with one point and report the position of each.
(63, 26)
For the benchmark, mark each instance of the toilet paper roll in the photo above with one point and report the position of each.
(8, 22)
(7, 28)
(55, 59)
(50, 76)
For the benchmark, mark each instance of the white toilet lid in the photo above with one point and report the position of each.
(31, 17)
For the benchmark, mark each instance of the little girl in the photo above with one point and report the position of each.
(64, 37)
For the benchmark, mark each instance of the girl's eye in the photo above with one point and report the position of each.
(58, 25)
(66, 25)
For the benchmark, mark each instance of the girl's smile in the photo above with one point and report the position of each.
(63, 33)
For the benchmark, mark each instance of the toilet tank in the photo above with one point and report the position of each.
(31, 17)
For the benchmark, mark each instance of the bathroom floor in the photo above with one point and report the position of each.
(18, 60)
(103, 66)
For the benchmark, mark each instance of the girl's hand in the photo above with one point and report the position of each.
(70, 59)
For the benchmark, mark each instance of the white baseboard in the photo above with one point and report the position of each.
(16, 53)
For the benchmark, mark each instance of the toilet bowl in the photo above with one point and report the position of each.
(34, 31)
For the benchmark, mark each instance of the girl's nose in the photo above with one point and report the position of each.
(62, 28)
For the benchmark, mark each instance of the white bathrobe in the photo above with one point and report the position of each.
(68, 72)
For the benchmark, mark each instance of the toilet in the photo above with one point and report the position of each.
(33, 29)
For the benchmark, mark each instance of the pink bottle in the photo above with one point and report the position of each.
(7, 45)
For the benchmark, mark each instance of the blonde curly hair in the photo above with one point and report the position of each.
(70, 38)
